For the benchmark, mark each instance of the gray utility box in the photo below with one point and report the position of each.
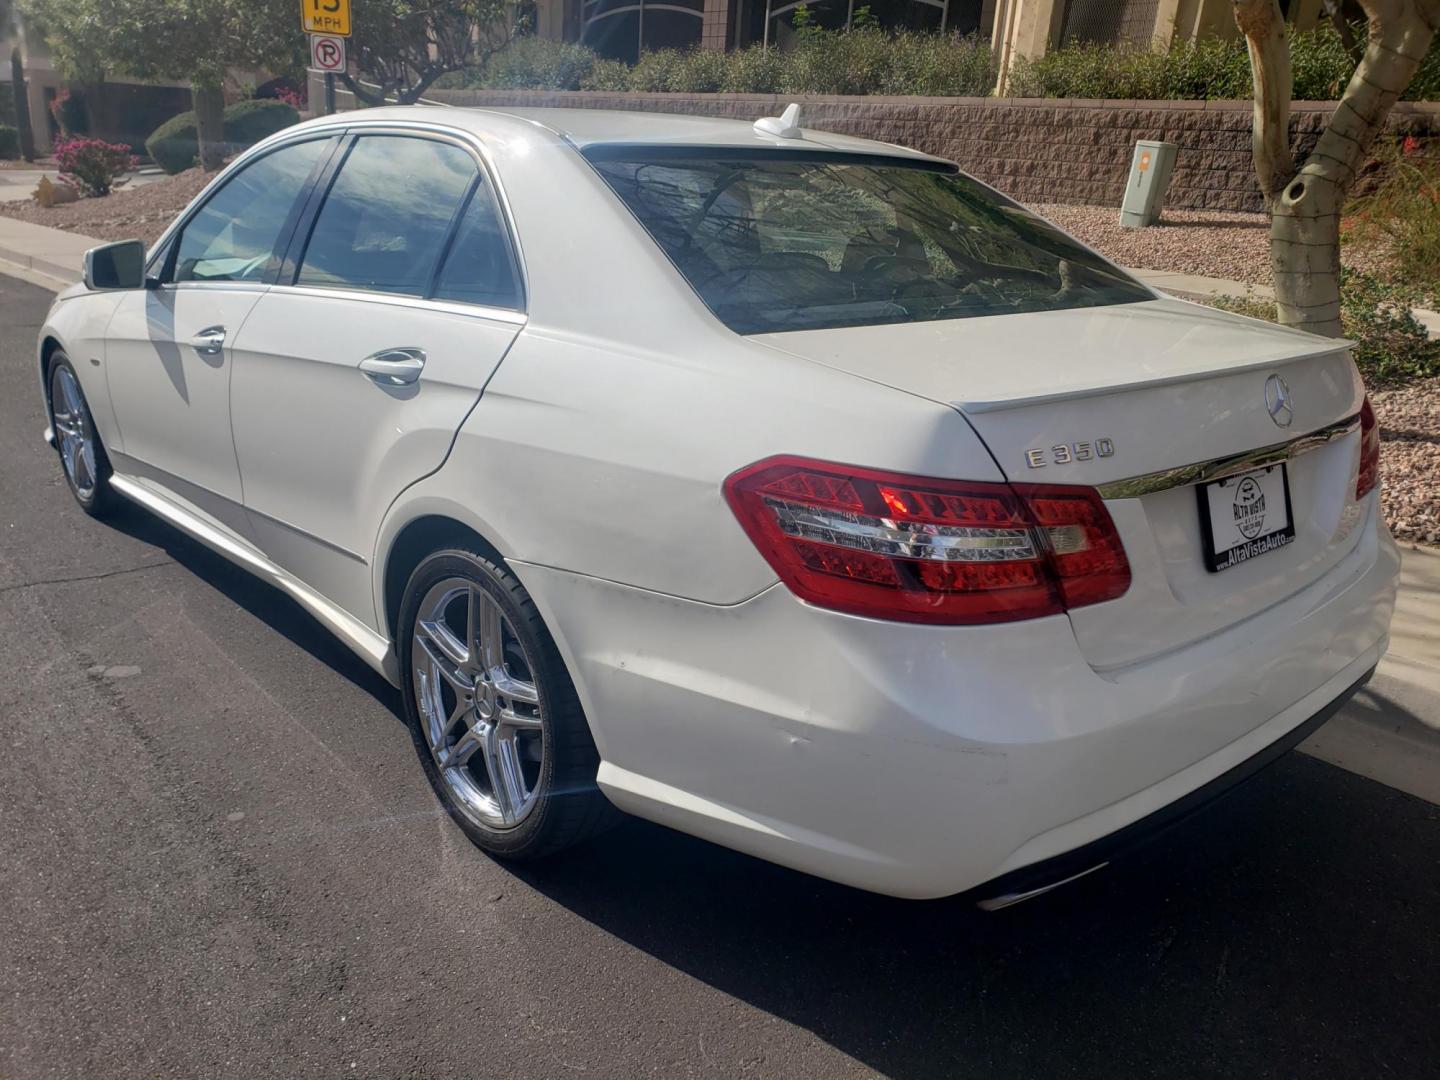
(1145, 189)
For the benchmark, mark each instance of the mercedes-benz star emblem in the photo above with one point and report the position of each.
(1277, 401)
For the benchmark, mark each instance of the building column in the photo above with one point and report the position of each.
(715, 28)
(1027, 28)
(550, 19)
(1191, 20)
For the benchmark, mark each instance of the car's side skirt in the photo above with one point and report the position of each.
(365, 642)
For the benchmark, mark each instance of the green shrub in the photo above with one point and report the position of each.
(533, 63)
(9, 143)
(1210, 68)
(174, 144)
(657, 71)
(607, 75)
(755, 70)
(868, 60)
(1399, 215)
(1391, 347)
(865, 61)
(247, 122)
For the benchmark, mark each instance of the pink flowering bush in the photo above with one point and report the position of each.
(92, 166)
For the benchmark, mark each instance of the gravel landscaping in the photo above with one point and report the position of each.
(1410, 459)
(1211, 243)
(138, 214)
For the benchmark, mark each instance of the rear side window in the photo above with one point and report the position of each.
(233, 236)
(384, 222)
(480, 267)
(775, 240)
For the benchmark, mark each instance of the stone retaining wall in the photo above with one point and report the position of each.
(1035, 150)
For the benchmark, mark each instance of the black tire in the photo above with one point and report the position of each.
(97, 499)
(568, 807)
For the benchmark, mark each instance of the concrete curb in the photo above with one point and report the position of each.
(51, 252)
(32, 277)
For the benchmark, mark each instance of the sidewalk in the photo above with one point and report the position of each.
(1390, 732)
(43, 252)
(1197, 287)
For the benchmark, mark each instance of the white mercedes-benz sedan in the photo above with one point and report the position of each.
(796, 491)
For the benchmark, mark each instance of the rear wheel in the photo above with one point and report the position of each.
(495, 717)
(82, 456)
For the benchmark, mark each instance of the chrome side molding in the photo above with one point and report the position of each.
(1218, 468)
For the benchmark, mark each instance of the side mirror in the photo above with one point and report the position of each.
(116, 266)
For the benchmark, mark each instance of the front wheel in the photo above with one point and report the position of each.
(493, 712)
(82, 455)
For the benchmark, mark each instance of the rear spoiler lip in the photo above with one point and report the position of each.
(1086, 390)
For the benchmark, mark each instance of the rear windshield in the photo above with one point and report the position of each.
(802, 241)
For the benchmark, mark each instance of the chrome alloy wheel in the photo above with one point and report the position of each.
(479, 706)
(74, 431)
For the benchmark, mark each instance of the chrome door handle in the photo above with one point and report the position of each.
(394, 367)
(210, 341)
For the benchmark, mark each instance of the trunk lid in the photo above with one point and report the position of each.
(1139, 388)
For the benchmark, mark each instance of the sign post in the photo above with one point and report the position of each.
(328, 24)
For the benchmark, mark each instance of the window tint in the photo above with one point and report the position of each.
(232, 237)
(480, 268)
(385, 220)
(799, 241)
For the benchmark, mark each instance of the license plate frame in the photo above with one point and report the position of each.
(1252, 502)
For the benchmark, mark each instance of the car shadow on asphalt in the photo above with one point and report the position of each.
(264, 601)
(1287, 930)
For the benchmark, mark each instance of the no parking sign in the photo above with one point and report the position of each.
(327, 54)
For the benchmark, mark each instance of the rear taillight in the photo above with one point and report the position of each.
(922, 550)
(1368, 478)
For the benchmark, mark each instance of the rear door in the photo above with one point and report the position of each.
(400, 297)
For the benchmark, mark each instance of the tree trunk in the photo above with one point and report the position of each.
(22, 106)
(1306, 203)
(210, 125)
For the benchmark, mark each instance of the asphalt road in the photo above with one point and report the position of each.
(219, 857)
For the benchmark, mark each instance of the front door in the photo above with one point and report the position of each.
(171, 347)
(350, 383)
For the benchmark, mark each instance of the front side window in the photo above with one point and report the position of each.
(383, 225)
(775, 240)
(234, 235)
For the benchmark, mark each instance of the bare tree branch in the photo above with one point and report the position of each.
(1264, 28)
(1306, 203)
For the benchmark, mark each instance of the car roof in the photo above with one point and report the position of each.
(585, 128)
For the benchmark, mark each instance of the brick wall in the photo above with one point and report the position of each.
(1034, 150)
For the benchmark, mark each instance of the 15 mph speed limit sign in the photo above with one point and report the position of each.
(326, 17)
(327, 54)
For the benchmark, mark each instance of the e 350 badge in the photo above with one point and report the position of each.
(1065, 453)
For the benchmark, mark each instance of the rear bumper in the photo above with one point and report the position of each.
(1060, 869)
(926, 761)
